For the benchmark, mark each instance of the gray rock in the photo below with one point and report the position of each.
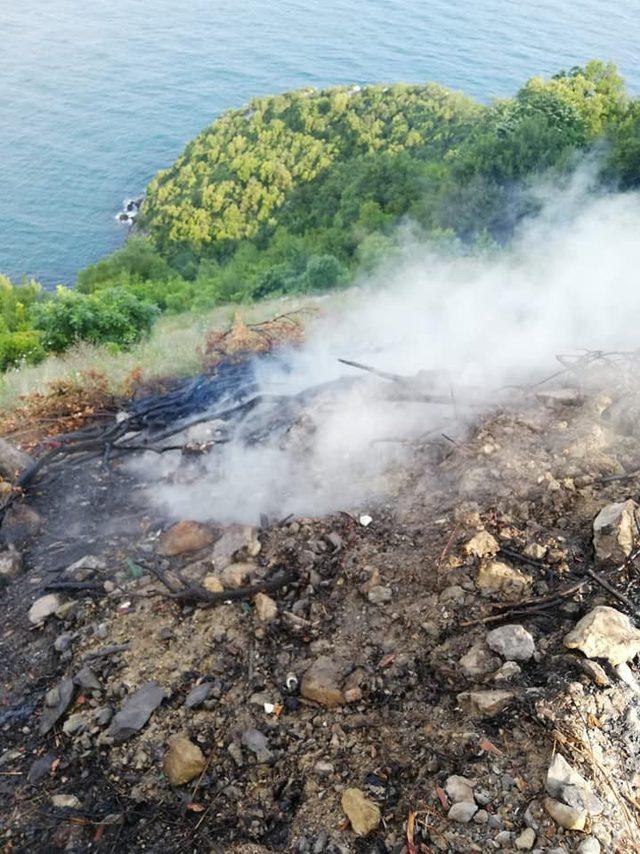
(478, 661)
(567, 785)
(62, 642)
(590, 845)
(103, 715)
(136, 711)
(66, 802)
(40, 768)
(462, 812)
(258, 744)
(44, 607)
(237, 542)
(75, 723)
(85, 568)
(57, 702)
(198, 695)
(509, 670)
(379, 595)
(526, 840)
(235, 751)
(12, 460)
(86, 678)
(459, 789)
(513, 643)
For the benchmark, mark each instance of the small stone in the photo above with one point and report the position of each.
(183, 761)
(513, 643)
(10, 563)
(184, 537)
(323, 769)
(526, 840)
(459, 789)
(565, 783)
(605, 633)
(565, 816)
(462, 812)
(478, 661)
(595, 672)
(614, 532)
(379, 595)
(238, 542)
(258, 743)
(56, 703)
(44, 607)
(212, 583)
(266, 608)
(85, 568)
(62, 642)
(363, 814)
(66, 802)
(75, 723)
(483, 544)
(497, 577)
(86, 678)
(536, 551)
(509, 670)
(136, 711)
(481, 817)
(236, 574)
(590, 845)
(485, 703)
(322, 682)
(198, 695)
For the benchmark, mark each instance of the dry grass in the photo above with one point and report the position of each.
(174, 349)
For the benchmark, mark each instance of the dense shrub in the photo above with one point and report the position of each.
(113, 315)
(18, 348)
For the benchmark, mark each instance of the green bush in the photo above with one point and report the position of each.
(18, 348)
(112, 315)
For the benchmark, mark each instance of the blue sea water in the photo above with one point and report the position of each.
(97, 95)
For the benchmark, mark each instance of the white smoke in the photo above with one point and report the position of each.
(568, 281)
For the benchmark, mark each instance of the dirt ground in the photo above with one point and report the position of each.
(390, 604)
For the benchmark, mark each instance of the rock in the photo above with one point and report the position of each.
(10, 563)
(566, 784)
(238, 542)
(590, 845)
(595, 672)
(614, 532)
(183, 761)
(379, 595)
(322, 682)
(12, 460)
(212, 583)
(513, 643)
(258, 743)
(462, 812)
(198, 695)
(497, 577)
(85, 568)
(485, 703)
(363, 814)
(483, 544)
(62, 642)
(605, 633)
(236, 574)
(70, 802)
(628, 677)
(40, 768)
(478, 661)
(565, 816)
(57, 702)
(136, 711)
(44, 607)
(323, 768)
(86, 678)
(459, 789)
(266, 608)
(75, 723)
(184, 537)
(20, 524)
(509, 670)
(526, 840)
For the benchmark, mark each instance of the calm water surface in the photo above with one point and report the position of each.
(97, 95)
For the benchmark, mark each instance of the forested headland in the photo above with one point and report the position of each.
(304, 191)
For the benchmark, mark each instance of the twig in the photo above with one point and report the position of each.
(611, 589)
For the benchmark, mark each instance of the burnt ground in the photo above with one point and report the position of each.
(533, 475)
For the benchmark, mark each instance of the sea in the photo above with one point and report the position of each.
(97, 95)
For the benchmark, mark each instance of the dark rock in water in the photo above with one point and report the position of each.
(40, 768)
(198, 695)
(136, 711)
(62, 696)
(86, 678)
